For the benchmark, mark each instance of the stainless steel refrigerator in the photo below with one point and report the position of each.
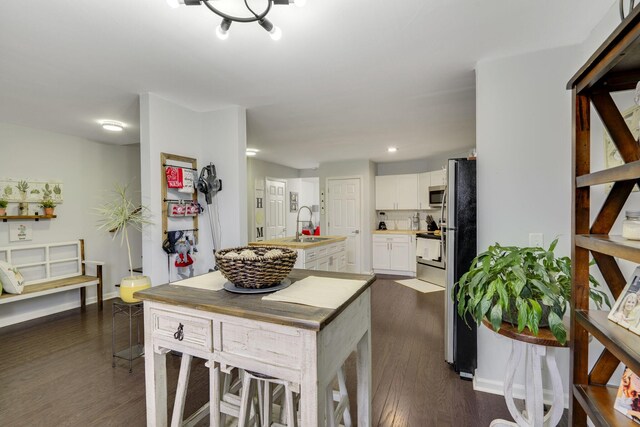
(461, 242)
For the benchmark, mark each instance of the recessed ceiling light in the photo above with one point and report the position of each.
(252, 151)
(112, 125)
(392, 149)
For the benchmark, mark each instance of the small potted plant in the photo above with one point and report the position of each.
(529, 287)
(117, 215)
(3, 207)
(48, 206)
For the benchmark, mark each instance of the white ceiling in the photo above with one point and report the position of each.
(348, 78)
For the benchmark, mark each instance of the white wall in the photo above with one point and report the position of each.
(524, 169)
(88, 170)
(427, 164)
(355, 168)
(308, 195)
(218, 137)
(260, 169)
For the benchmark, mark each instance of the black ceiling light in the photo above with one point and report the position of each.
(223, 29)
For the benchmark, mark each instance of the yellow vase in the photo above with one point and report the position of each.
(132, 284)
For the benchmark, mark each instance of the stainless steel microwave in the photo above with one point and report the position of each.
(436, 196)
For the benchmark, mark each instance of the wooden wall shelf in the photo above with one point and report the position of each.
(624, 344)
(27, 217)
(615, 66)
(598, 403)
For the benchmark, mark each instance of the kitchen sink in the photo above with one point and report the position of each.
(308, 239)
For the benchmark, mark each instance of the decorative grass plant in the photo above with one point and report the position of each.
(121, 213)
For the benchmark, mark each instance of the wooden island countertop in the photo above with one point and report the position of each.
(251, 306)
(288, 243)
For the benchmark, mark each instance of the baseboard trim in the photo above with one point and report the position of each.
(395, 272)
(24, 317)
(497, 387)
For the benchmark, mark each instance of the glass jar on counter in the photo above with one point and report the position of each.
(631, 225)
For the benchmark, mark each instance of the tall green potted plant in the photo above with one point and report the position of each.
(526, 286)
(118, 215)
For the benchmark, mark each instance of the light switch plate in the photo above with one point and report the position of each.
(536, 239)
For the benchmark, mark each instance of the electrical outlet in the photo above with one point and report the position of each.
(536, 239)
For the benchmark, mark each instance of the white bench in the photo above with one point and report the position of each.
(51, 268)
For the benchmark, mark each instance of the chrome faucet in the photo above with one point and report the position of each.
(298, 220)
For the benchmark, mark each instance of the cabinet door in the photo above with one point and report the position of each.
(381, 255)
(342, 262)
(385, 192)
(424, 181)
(407, 191)
(412, 254)
(323, 264)
(311, 265)
(439, 177)
(400, 256)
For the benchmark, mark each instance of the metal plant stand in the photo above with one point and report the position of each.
(135, 350)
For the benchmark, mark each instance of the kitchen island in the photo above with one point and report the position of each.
(322, 253)
(298, 343)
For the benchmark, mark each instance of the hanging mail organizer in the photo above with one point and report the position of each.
(173, 193)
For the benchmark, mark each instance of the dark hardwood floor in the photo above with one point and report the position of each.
(56, 371)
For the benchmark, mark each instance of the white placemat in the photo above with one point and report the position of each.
(318, 292)
(420, 286)
(210, 281)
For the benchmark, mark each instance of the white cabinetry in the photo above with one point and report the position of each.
(397, 192)
(438, 177)
(330, 257)
(424, 181)
(394, 253)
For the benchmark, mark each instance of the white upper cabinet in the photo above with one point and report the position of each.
(385, 192)
(438, 177)
(424, 181)
(407, 191)
(397, 192)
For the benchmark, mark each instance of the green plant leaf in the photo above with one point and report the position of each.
(557, 328)
(523, 314)
(496, 317)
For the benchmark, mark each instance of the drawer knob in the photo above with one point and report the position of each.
(179, 335)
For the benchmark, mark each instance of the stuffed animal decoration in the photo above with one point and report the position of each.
(184, 261)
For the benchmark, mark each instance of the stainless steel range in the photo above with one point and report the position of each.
(431, 258)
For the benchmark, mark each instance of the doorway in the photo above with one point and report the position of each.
(344, 217)
(275, 209)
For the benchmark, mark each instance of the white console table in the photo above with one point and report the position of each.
(297, 343)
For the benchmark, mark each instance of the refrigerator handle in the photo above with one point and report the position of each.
(442, 218)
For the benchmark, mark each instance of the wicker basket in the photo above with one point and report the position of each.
(258, 272)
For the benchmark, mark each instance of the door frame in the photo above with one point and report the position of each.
(266, 213)
(328, 210)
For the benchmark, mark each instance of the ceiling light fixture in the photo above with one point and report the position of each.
(222, 31)
(252, 152)
(112, 125)
(392, 149)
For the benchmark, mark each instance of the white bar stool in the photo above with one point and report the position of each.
(288, 393)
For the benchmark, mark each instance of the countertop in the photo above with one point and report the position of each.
(299, 245)
(407, 232)
(251, 306)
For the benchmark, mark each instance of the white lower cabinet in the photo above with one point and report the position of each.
(331, 257)
(394, 253)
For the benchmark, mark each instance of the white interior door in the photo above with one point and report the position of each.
(275, 209)
(344, 217)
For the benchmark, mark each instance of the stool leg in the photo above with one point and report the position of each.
(113, 338)
(245, 403)
(181, 391)
(344, 397)
(267, 404)
(292, 418)
(329, 412)
(130, 342)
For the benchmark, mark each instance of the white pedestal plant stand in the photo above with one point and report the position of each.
(535, 350)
